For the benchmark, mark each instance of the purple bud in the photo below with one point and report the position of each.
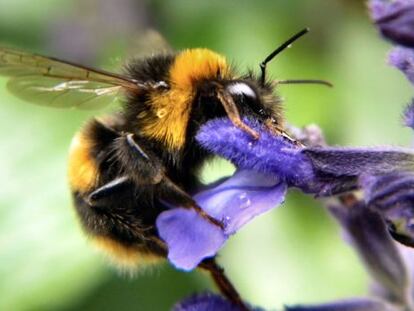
(395, 20)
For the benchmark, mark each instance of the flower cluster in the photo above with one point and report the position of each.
(268, 167)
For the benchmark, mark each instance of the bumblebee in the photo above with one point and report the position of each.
(126, 167)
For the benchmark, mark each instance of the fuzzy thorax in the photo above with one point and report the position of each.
(172, 109)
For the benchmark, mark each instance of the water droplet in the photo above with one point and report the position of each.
(250, 144)
(244, 200)
(161, 113)
(226, 221)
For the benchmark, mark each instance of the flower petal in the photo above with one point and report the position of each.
(357, 161)
(271, 154)
(359, 304)
(242, 197)
(190, 238)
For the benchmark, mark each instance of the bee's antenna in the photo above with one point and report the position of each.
(278, 50)
(305, 81)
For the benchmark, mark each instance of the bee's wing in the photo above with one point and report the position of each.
(56, 83)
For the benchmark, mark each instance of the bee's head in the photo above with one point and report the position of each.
(248, 96)
(255, 100)
(238, 99)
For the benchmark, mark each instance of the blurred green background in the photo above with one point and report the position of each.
(294, 254)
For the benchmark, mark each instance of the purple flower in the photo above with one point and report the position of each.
(190, 238)
(266, 167)
(395, 20)
(270, 154)
(403, 59)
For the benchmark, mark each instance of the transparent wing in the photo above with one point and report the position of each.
(52, 82)
(58, 93)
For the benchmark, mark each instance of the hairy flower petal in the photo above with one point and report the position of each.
(358, 161)
(367, 232)
(270, 154)
(359, 304)
(234, 202)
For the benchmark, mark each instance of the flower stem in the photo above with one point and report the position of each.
(223, 283)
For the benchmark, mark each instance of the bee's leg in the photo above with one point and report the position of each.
(145, 169)
(233, 113)
(173, 194)
(223, 283)
(280, 131)
(113, 188)
(142, 167)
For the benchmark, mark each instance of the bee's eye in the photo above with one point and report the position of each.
(241, 89)
(246, 97)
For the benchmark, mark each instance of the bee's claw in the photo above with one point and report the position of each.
(281, 132)
(209, 218)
